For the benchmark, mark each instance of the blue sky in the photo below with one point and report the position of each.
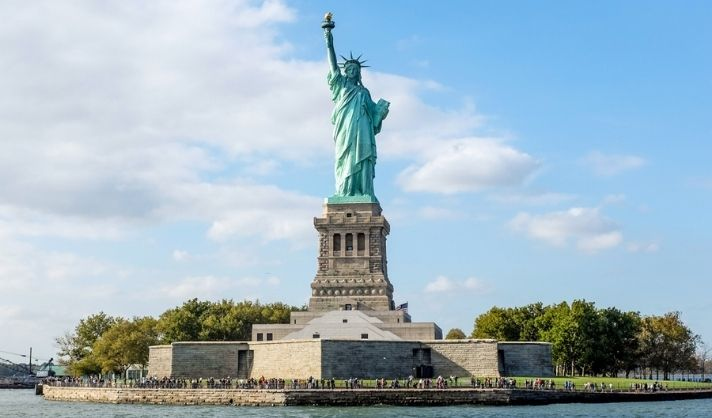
(152, 152)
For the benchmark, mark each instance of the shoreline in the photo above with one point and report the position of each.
(356, 397)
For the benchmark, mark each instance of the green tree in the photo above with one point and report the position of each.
(125, 343)
(497, 323)
(75, 349)
(525, 318)
(616, 342)
(667, 344)
(455, 334)
(587, 340)
(102, 344)
(510, 324)
(572, 334)
(182, 323)
(219, 321)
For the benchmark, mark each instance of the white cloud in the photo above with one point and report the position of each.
(586, 227)
(532, 199)
(103, 112)
(643, 247)
(64, 284)
(613, 199)
(443, 284)
(246, 210)
(121, 118)
(440, 284)
(474, 284)
(211, 287)
(112, 123)
(607, 165)
(468, 165)
(180, 255)
(599, 241)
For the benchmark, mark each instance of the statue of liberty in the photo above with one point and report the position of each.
(357, 120)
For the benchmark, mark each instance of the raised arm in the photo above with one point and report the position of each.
(328, 25)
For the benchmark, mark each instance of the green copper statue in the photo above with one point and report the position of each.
(357, 120)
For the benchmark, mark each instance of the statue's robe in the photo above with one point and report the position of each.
(356, 122)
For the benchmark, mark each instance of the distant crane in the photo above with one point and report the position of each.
(18, 367)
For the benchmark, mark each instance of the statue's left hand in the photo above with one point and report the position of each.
(382, 107)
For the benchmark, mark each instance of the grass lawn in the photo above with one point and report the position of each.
(618, 383)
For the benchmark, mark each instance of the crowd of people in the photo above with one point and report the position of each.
(539, 384)
(648, 387)
(493, 383)
(352, 383)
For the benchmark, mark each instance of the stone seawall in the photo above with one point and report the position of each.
(245, 397)
(356, 397)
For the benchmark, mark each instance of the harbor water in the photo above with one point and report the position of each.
(24, 403)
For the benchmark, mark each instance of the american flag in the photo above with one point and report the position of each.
(403, 307)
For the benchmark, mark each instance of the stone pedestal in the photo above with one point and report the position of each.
(352, 269)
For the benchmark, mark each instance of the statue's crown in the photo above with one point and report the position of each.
(353, 60)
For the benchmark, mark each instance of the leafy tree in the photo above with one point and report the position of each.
(125, 343)
(559, 331)
(616, 342)
(587, 340)
(572, 334)
(219, 321)
(510, 324)
(525, 318)
(497, 323)
(102, 344)
(455, 334)
(666, 344)
(183, 323)
(75, 349)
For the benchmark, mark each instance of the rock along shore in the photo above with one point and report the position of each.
(355, 397)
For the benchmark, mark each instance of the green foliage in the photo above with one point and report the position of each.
(510, 324)
(587, 340)
(219, 321)
(104, 344)
(667, 344)
(496, 323)
(75, 349)
(183, 323)
(125, 343)
(617, 345)
(455, 334)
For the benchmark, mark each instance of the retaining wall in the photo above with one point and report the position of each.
(245, 397)
(355, 397)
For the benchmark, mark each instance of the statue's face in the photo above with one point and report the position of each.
(352, 71)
